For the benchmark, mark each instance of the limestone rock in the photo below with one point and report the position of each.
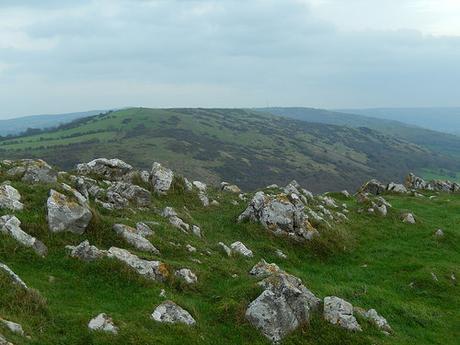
(11, 226)
(283, 306)
(13, 276)
(86, 252)
(230, 188)
(66, 215)
(13, 326)
(10, 198)
(3, 341)
(134, 238)
(379, 321)
(439, 233)
(104, 323)
(408, 218)
(139, 196)
(340, 312)
(240, 248)
(187, 275)
(279, 215)
(33, 171)
(154, 270)
(263, 269)
(143, 229)
(170, 312)
(108, 169)
(396, 188)
(161, 178)
(226, 249)
(372, 187)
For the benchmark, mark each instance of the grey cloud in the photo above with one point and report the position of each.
(247, 52)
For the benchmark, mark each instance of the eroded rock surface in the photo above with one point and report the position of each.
(65, 214)
(170, 312)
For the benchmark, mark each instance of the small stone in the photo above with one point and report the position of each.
(86, 252)
(226, 249)
(340, 312)
(190, 248)
(13, 326)
(104, 323)
(170, 312)
(408, 218)
(241, 249)
(163, 293)
(187, 275)
(280, 254)
(439, 233)
(434, 277)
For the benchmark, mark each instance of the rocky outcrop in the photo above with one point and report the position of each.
(86, 252)
(373, 187)
(13, 326)
(103, 323)
(11, 226)
(141, 197)
(284, 304)
(10, 198)
(170, 312)
(107, 169)
(340, 312)
(31, 170)
(154, 270)
(134, 238)
(414, 183)
(280, 215)
(65, 214)
(396, 188)
(161, 178)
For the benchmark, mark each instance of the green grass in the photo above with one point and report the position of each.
(370, 261)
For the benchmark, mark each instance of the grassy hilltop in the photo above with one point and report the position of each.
(371, 261)
(250, 148)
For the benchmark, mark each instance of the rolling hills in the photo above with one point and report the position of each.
(405, 127)
(20, 125)
(247, 147)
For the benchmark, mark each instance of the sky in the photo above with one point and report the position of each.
(62, 56)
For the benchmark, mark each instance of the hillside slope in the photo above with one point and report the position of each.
(442, 143)
(21, 124)
(444, 119)
(248, 147)
(367, 259)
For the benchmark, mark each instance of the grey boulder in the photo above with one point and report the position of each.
(11, 226)
(66, 215)
(170, 312)
(340, 312)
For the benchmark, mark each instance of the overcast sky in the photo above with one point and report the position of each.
(62, 56)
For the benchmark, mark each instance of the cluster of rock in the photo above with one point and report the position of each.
(30, 170)
(417, 183)
(292, 211)
(412, 184)
(286, 303)
(179, 223)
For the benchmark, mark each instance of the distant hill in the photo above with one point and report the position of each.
(438, 119)
(438, 142)
(21, 124)
(247, 147)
